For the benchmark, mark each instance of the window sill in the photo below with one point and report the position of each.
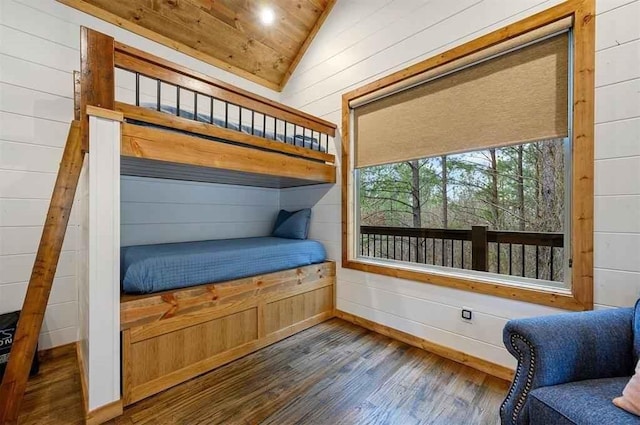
(558, 298)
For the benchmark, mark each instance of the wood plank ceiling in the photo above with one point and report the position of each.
(226, 33)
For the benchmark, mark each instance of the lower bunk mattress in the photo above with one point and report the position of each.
(153, 268)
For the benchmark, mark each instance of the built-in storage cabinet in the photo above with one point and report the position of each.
(173, 336)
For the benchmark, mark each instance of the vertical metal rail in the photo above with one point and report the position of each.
(159, 96)
(551, 262)
(137, 89)
(211, 107)
(510, 259)
(316, 140)
(178, 100)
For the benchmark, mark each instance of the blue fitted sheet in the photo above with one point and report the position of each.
(153, 268)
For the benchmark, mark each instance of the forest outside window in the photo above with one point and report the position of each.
(474, 169)
(499, 210)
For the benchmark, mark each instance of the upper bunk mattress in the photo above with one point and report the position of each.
(152, 268)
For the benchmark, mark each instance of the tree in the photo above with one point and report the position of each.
(518, 188)
(520, 183)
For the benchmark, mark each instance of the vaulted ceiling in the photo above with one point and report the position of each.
(226, 33)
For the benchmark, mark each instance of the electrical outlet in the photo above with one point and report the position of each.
(466, 314)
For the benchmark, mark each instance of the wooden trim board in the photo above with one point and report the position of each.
(97, 76)
(446, 352)
(162, 312)
(171, 121)
(138, 310)
(83, 377)
(536, 296)
(583, 156)
(168, 146)
(104, 413)
(108, 114)
(77, 90)
(581, 295)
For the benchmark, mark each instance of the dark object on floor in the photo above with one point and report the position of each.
(8, 323)
(570, 367)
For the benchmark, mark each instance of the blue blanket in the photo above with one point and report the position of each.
(153, 268)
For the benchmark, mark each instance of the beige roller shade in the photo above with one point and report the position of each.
(514, 98)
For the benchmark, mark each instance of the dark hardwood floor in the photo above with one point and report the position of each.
(334, 373)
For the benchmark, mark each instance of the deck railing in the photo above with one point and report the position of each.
(529, 254)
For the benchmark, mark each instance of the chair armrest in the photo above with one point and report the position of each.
(563, 348)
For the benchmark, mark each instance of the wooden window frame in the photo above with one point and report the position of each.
(580, 296)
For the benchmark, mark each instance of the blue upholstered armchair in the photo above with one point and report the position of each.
(570, 367)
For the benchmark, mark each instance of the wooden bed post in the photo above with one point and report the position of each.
(97, 88)
(97, 76)
(76, 95)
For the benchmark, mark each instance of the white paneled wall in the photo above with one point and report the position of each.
(325, 216)
(159, 211)
(39, 49)
(617, 168)
(361, 41)
(365, 40)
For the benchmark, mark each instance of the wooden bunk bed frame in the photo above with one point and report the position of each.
(189, 148)
(189, 331)
(170, 337)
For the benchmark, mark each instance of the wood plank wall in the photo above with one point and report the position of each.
(363, 41)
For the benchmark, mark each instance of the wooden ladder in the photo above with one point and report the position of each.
(16, 374)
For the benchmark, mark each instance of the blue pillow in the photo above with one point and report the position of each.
(292, 224)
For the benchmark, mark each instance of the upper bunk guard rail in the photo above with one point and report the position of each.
(15, 378)
(257, 120)
(150, 116)
(148, 143)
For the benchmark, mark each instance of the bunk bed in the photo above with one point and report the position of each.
(180, 124)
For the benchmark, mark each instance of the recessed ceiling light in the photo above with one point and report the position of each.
(267, 15)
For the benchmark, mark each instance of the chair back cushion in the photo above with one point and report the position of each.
(292, 224)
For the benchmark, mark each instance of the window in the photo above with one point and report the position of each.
(474, 169)
(500, 210)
